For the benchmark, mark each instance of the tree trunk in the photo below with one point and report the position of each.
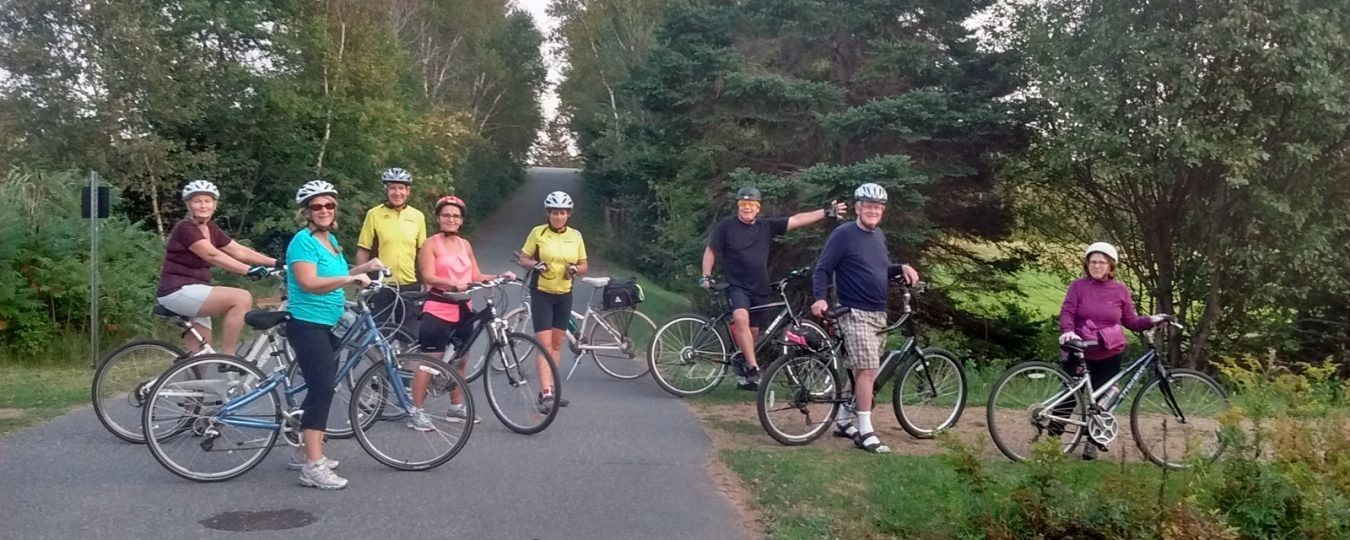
(327, 94)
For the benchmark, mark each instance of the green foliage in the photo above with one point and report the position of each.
(44, 259)
(1209, 140)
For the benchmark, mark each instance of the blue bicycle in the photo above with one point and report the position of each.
(214, 417)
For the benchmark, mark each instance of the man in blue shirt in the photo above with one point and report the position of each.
(855, 257)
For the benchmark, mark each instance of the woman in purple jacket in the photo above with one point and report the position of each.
(1099, 308)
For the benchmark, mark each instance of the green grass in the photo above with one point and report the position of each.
(32, 394)
(821, 493)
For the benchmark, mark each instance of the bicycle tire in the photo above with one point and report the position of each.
(513, 392)
(170, 392)
(929, 389)
(1200, 410)
(399, 446)
(123, 380)
(635, 331)
(1004, 422)
(679, 347)
(791, 386)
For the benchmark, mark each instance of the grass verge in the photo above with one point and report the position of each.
(32, 394)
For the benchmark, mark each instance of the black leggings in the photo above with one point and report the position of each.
(313, 345)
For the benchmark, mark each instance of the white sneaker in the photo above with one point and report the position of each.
(419, 421)
(298, 459)
(321, 477)
(460, 413)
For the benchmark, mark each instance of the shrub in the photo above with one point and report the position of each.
(44, 262)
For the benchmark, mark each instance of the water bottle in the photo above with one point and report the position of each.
(572, 325)
(1109, 399)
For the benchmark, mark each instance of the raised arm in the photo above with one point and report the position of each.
(807, 218)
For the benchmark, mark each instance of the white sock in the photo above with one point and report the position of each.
(842, 417)
(865, 421)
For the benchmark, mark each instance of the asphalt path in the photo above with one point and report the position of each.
(623, 461)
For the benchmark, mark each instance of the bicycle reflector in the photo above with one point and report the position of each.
(805, 338)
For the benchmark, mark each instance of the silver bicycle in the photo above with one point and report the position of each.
(616, 339)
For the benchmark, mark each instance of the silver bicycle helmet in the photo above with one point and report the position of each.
(200, 186)
(870, 192)
(312, 189)
(558, 199)
(396, 175)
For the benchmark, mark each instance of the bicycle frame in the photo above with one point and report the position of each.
(786, 315)
(1135, 371)
(588, 320)
(365, 329)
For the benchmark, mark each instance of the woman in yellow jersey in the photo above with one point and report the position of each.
(561, 255)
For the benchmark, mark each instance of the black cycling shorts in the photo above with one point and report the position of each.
(436, 333)
(550, 311)
(738, 298)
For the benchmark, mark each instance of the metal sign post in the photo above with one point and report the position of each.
(94, 327)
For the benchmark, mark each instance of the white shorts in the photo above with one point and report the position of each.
(187, 301)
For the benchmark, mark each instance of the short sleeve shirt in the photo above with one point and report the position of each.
(744, 250)
(394, 236)
(181, 266)
(557, 250)
(326, 308)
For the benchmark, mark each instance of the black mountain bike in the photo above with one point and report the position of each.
(689, 354)
(800, 394)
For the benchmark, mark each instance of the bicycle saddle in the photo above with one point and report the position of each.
(595, 281)
(837, 312)
(166, 312)
(1075, 346)
(262, 319)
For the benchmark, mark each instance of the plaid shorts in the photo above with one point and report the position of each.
(861, 339)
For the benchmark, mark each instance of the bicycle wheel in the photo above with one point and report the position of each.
(1017, 412)
(625, 336)
(394, 442)
(930, 393)
(124, 379)
(514, 390)
(688, 356)
(339, 424)
(1159, 429)
(798, 398)
(189, 434)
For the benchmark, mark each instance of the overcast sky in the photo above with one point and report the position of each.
(545, 24)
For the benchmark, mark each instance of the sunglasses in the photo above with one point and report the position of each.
(322, 206)
(748, 204)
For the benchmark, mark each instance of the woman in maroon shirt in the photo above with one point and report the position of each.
(194, 246)
(1098, 308)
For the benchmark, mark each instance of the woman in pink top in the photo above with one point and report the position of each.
(446, 262)
(1099, 308)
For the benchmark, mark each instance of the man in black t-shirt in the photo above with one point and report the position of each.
(742, 243)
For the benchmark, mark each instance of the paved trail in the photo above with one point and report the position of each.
(623, 461)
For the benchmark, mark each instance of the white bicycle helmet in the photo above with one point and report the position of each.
(312, 189)
(200, 186)
(396, 175)
(1103, 248)
(870, 192)
(558, 199)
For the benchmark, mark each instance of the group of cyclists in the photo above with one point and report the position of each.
(854, 263)
(393, 239)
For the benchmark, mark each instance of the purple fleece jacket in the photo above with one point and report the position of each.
(1096, 310)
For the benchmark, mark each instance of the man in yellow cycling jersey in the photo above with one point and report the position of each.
(393, 232)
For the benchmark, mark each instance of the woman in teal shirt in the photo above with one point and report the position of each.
(318, 271)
